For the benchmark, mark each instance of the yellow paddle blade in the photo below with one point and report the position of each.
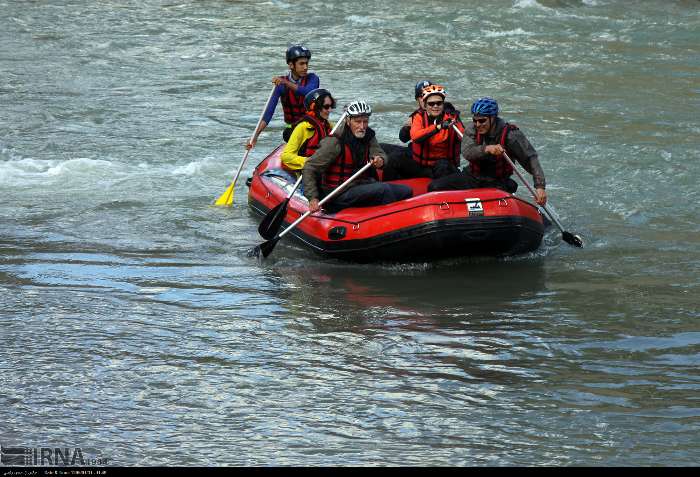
(226, 198)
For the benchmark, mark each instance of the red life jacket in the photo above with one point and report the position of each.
(427, 156)
(321, 129)
(293, 104)
(342, 168)
(503, 169)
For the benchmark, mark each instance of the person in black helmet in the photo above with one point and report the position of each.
(309, 130)
(291, 89)
(399, 159)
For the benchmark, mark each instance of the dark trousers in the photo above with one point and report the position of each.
(464, 180)
(365, 195)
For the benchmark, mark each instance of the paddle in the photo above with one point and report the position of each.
(568, 237)
(227, 197)
(272, 221)
(266, 247)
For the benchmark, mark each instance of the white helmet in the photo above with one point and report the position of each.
(358, 108)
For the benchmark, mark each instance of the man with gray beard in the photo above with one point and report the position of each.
(340, 156)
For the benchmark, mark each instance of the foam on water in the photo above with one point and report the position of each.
(30, 171)
(525, 4)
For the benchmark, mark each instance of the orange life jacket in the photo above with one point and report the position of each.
(425, 152)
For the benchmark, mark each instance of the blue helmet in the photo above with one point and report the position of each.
(311, 100)
(297, 51)
(485, 107)
(419, 87)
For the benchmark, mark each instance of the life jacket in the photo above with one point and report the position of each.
(293, 104)
(321, 129)
(502, 169)
(425, 153)
(344, 165)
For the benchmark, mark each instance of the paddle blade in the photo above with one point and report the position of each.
(572, 239)
(272, 221)
(264, 248)
(226, 198)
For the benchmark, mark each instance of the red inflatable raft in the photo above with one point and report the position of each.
(428, 225)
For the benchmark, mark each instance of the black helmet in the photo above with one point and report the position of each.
(297, 51)
(312, 98)
(419, 87)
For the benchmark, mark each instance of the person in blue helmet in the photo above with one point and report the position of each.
(291, 89)
(484, 142)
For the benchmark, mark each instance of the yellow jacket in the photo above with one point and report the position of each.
(290, 155)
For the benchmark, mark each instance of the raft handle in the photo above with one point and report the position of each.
(337, 233)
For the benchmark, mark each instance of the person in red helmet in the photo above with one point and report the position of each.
(434, 143)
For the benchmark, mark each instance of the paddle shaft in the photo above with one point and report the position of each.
(335, 192)
(532, 191)
(245, 156)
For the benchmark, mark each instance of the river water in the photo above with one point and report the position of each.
(134, 326)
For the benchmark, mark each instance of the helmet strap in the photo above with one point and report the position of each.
(292, 74)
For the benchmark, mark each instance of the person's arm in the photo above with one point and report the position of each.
(267, 116)
(376, 151)
(290, 155)
(420, 134)
(328, 151)
(472, 151)
(270, 110)
(526, 155)
(251, 142)
(312, 83)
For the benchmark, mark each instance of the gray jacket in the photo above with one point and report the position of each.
(329, 150)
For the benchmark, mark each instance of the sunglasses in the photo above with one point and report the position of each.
(327, 106)
(435, 103)
(479, 120)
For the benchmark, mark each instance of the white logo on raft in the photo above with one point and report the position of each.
(474, 207)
